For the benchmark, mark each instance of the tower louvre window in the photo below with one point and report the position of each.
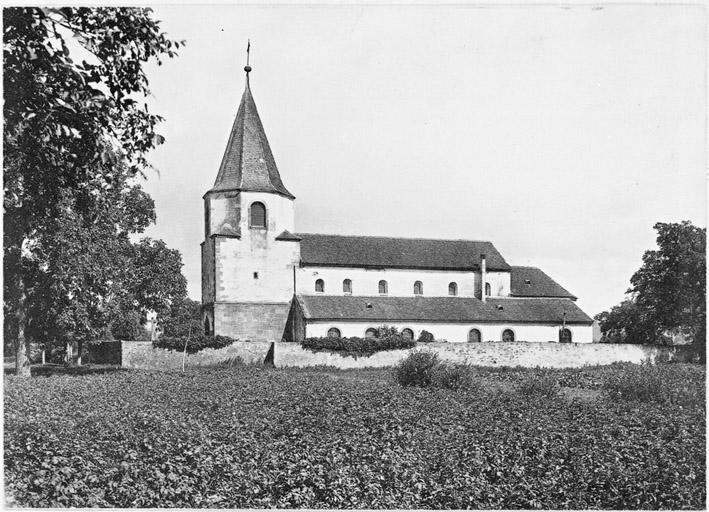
(257, 218)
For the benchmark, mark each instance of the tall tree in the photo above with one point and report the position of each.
(69, 128)
(668, 292)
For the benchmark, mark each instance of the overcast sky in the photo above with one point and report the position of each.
(560, 134)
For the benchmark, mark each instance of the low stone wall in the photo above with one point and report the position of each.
(528, 355)
(142, 354)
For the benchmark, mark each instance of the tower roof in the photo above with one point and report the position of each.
(248, 164)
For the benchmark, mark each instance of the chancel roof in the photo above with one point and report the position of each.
(532, 282)
(385, 252)
(441, 309)
(248, 164)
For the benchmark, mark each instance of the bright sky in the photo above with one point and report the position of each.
(560, 134)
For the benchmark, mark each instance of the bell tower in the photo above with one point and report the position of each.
(249, 250)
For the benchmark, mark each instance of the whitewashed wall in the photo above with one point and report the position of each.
(258, 251)
(400, 281)
(457, 333)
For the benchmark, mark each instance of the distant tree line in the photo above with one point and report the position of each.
(667, 296)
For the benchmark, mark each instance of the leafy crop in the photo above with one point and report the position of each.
(254, 437)
(358, 346)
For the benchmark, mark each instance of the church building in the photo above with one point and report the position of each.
(262, 280)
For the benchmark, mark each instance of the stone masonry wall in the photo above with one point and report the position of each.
(251, 321)
(528, 355)
(142, 355)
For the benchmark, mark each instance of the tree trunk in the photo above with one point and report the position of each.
(69, 353)
(22, 344)
(78, 355)
(44, 358)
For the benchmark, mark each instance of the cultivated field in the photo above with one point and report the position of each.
(610, 437)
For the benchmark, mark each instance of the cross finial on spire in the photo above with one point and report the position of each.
(247, 68)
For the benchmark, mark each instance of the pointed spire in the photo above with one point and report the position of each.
(248, 164)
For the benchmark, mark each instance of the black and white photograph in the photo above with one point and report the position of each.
(355, 256)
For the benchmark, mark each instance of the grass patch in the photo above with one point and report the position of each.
(257, 437)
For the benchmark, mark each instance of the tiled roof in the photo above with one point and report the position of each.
(248, 163)
(288, 236)
(384, 252)
(532, 282)
(441, 309)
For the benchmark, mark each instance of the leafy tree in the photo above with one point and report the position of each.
(70, 130)
(668, 293)
(185, 319)
(625, 323)
(154, 283)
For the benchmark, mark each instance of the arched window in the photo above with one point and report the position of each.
(333, 332)
(347, 286)
(407, 334)
(206, 326)
(508, 335)
(564, 336)
(418, 288)
(320, 285)
(452, 289)
(257, 219)
(474, 336)
(488, 289)
(370, 333)
(383, 287)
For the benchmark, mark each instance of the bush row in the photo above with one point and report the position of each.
(358, 346)
(194, 343)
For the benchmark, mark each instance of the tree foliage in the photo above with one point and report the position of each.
(667, 293)
(76, 132)
(184, 319)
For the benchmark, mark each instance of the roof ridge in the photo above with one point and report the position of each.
(396, 237)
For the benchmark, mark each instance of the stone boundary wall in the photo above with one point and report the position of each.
(524, 354)
(142, 355)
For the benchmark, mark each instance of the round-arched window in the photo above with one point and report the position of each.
(508, 335)
(418, 288)
(383, 287)
(257, 218)
(474, 336)
(407, 334)
(347, 286)
(488, 289)
(453, 289)
(564, 336)
(370, 333)
(334, 332)
(320, 285)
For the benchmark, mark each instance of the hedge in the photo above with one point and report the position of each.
(194, 343)
(358, 346)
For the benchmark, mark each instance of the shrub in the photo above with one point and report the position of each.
(539, 385)
(426, 337)
(417, 369)
(643, 383)
(356, 345)
(386, 331)
(194, 343)
(452, 376)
